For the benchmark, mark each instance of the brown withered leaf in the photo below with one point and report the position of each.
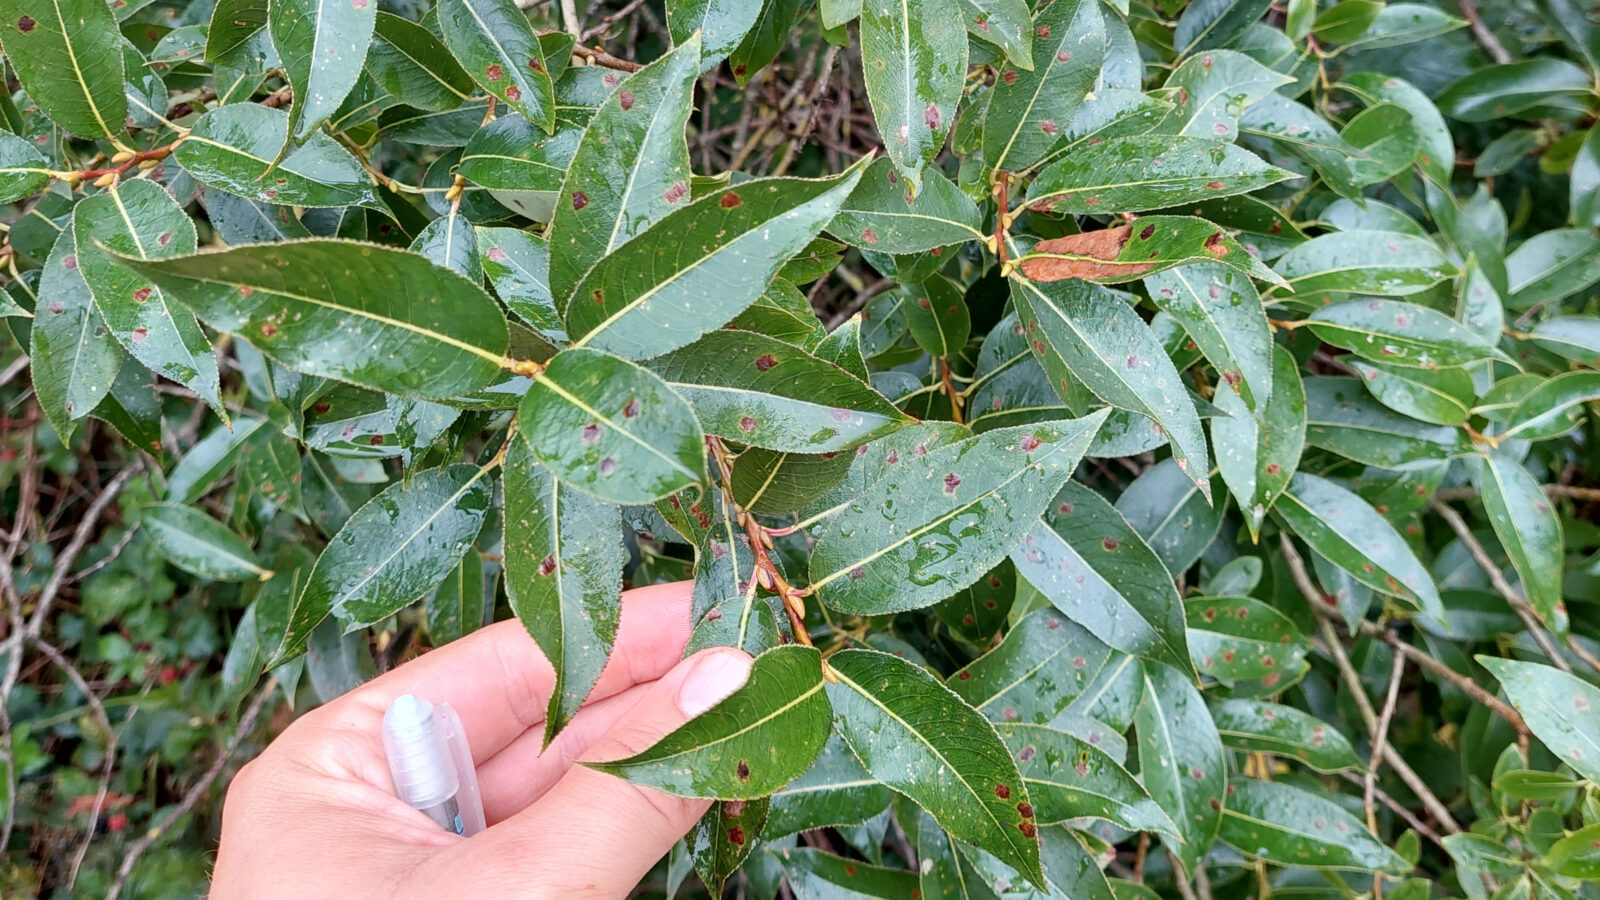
(1093, 255)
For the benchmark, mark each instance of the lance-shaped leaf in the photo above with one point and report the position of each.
(723, 838)
(700, 266)
(1006, 24)
(720, 24)
(1042, 665)
(1440, 396)
(68, 56)
(1122, 253)
(518, 266)
(914, 61)
(1399, 333)
(1374, 146)
(1529, 528)
(23, 171)
(496, 45)
(1181, 761)
(1215, 23)
(451, 242)
(937, 316)
(761, 391)
(395, 550)
(836, 790)
(1030, 111)
(1258, 726)
(1131, 174)
(1090, 563)
(613, 429)
(1288, 826)
(456, 608)
(200, 545)
(323, 47)
(514, 155)
(1221, 311)
(1071, 779)
(1559, 708)
(410, 64)
(750, 744)
(71, 358)
(1081, 331)
(1542, 412)
(1172, 514)
(815, 875)
(630, 168)
(231, 148)
(1352, 535)
(1237, 639)
(1574, 337)
(374, 316)
(1368, 262)
(1551, 266)
(882, 214)
(1342, 417)
(1210, 90)
(916, 736)
(943, 871)
(937, 521)
(563, 557)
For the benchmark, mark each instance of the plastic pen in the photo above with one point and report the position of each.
(431, 763)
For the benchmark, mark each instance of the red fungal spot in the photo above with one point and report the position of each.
(513, 93)
(964, 675)
(579, 201)
(1025, 809)
(359, 4)
(1273, 468)
(1196, 772)
(376, 440)
(599, 298)
(547, 565)
(742, 770)
(25, 24)
(1064, 56)
(165, 239)
(494, 72)
(1133, 362)
(1055, 624)
(1027, 829)
(1029, 443)
(731, 199)
(868, 235)
(1002, 791)
(591, 433)
(676, 192)
(968, 619)
(1010, 76)
(142, 294)
(747, 424)
(497, 254)
(1092, 201)
(930, 116)
(268, 329)
(632, 409)
(1232, 378)
(607, 466)
(1048, 126)
(849, 869)
(1027, 753)
(625, 99)
(139, 334)
(1064, 508)
(1214, 185)
(1216, 804)
(1043, 31)
(1145, 236)
(736, 836)
(1109, 543)
(322, 409)
(857, 573)
(70, 263)
(950, 483)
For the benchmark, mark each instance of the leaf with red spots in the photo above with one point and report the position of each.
(631, 166)
(814, 873)
(1256, 726)
(916, 736)
(772, 31)
(1133, 174)
(1211, 89)
(1120, 253)
(749, 745)
(72, 360)
(1215, 23)
(1028, 112)
(393, 550)
(74, 72)
(578, 412)
(1398, 333)
(1006, 24)
(977, 612)
(518, 266)
(1071, 779)
(1257, 453)
(323, 45)
(917, 538)
(881, 215)
(1219, 308)
(1288, 826)
(938, 317)
(516, 156)
(485, 34)
(722, 26)
(914, 61)
(129, 219)
(1529, 528)
(1353, 536)
(563, 555)
(1044, 663)
(231, 148)
(1088, 561)
(1237, 641)
(723, 839)
(1181, 760)
(1559, 709)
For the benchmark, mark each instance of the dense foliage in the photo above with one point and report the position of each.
(1143, 443)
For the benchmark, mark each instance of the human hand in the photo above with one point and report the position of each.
(315, 815)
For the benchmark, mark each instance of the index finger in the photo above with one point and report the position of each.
(499, 682)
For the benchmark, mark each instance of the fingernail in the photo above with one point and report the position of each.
(714, 677)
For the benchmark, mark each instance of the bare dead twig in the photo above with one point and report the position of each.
(1491, 45)
(608, 20)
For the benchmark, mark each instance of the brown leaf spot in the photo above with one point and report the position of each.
(1002, 791)
(164, 239)
(731, 199)
(1109, 543)
(536, 65)
(1214, 185)
(742, 770)
(930, 116)
(1064, 56)
(1048, 126)
(625, 99)
(268, 329)
(579, 201)
(376, 440)
(25, 24)
(142, 294)
(869, 236)
(513, 93)
(1010, 76)
(632, 409)
(1273, 468)
(1145, 234)
(1215, 246)
(1043, 31)
(950, 483)
(1025, 809)
(139, 334)
(857, 573)
(70, 263)
(591, 433)
(1027, 829)
(494, 72)
(1029, 443)
(547, 565)
(607, 466)
(747, 424)
(675, 193)
(736, 836)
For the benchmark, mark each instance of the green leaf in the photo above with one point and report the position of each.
(630, 168)
(1071, 779)
(1369, 262)
(1353, 536)
(914, 61)
(723, 838)
(1257, 726)
(413, 66)
(938, 317)
(713, 257)
(1574, 337)
(1030, 110)
(373, 316)
(977, 612)
(1375, 145)
(1529, 528)
(1208, 24)
(1210, 90)
(518, 266)
(1500, 91)
(721, 24)
(71, 359)
(943, 871)
(323, 47)
(1585, 183)
(1181, 761)
(1287, 826)
(200, 545)
(450, 242)
(1096, 569)
(1577, 855)
(747, 746)
(785, 313)
(68, 56)
(767, 482)
(1545, 407)
(1342, 417)
(763, 392)
(1404, 23)
(395, 549)
(815, 875)
(766, 39)
(1171, 513)
(1145, 172)
(1084, 331)
(610, 428)
(516, 156)
(938, 520)
(836, 790)
(1239, 639)
(1007, 24)
(1222, 313)
(1042, 665)
(231, 148)
(1437, 150)
(882, 215)
(1346, 20)
(563, 557)
(23, 171)
(1440, 396)
(1552, 265)
(455, 609)
(916, 736)
(1398, 333)
(495, 44)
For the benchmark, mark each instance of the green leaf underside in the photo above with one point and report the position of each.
(200, 545)
(1289, 826)
(1254, 725)
(1559, 709)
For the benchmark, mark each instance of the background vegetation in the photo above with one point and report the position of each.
(1177, 441)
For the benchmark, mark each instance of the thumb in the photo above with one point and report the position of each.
(594, 834)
